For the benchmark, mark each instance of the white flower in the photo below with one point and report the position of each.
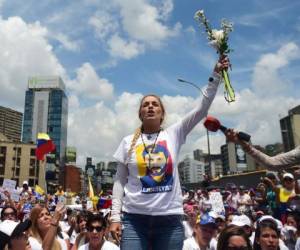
(199, 13)
(214, 44)
(218, 35)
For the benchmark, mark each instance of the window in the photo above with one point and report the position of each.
(17, 171)
(3, 150)
(2, 170)
(31, 182)
(31, 171)
(32, 152)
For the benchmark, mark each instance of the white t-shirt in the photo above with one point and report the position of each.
(36, 245)
(107, 245)
(191, 244)
(155, 189)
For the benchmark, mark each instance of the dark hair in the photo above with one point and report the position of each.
(230, 231)
(95, 217)
(11, 207)
(82, 215)
(267, 223)
(296, 217)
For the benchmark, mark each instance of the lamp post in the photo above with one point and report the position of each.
(208, 150)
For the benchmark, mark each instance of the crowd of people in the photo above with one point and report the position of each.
(263, 217)
(150, 210)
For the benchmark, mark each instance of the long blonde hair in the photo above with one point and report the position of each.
(34, 229)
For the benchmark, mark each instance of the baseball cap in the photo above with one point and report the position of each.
(10, 229)
(206, 219)
(216, 215)
(241, 221)
(288, 175)
(25, 182)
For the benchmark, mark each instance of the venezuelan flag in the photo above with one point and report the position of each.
(44, 146)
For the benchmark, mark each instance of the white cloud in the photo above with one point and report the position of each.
(104, 24)
(24, 52)
(88, 84)
(142, 22)
(120, 48)
(266, 78)
(137, 26)
(66, 42)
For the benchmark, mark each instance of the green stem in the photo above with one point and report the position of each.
(230, 96)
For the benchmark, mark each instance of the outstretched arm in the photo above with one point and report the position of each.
(198, 113)
(271, 162)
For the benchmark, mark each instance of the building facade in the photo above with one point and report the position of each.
(18, 162)
(11, 123)
(73, 178)
(193, 171)
(235, 160)
(290, 129)
(46, 111)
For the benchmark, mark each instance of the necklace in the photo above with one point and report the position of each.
(152, 148)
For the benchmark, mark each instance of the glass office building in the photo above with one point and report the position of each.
(46, 111)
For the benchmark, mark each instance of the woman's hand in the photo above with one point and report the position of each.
(232, 136)
(223, 63)
(59, 212)
(116, 231)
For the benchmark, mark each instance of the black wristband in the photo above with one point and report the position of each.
(211, 79)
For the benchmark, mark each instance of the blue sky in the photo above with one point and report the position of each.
(110, 53)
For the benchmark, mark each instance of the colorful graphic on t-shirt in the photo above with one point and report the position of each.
(155, 167)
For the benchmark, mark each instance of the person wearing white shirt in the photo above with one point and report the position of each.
(96, 226)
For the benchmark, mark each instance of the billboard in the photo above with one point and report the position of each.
(45, 82)
(240, 158)
(70, 155)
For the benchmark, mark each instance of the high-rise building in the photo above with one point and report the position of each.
(46, 111)
(290, 129)
(235, 160)
(11, 123)
(193, 171)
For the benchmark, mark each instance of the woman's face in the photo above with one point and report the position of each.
(290, 221)
(237, 242)
(9, 214)
(82, 224)
(229, 219)
(44, 220)
(288, 183)
(151, 110)
(268, 239)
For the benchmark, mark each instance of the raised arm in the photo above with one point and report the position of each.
(198, 113)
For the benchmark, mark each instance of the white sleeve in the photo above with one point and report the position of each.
(276, 162)
(118, 192)
(188, 122)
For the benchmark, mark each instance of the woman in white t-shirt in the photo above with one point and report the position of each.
(44, 232)
(147, 188)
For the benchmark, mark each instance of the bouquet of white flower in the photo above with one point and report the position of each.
(219, 40)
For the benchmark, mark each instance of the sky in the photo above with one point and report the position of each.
(111, 53)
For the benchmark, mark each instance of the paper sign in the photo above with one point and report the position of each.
(15, 195)
(9, 184)
(216, 201)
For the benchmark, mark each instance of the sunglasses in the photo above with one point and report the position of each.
(288, 179)
(98, 229)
